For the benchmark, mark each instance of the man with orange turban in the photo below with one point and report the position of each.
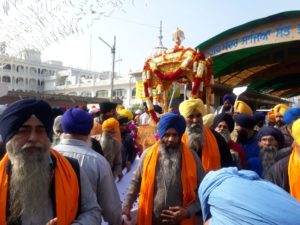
(167, 179)
(209, 145)
(285, 172)
(112, 147)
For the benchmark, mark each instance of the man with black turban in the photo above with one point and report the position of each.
(167, 178)
(224, 125)
(37, 184)
(270, 141)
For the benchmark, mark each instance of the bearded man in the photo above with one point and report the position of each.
(37, 185)
(111, 147)
(224, 125)
(227, 107)
(208, 144)
(167, 177)
(270, 140)
(285, 172)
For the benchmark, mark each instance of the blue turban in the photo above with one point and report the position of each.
(259, 116)
(291, 115)
(228, 97)
(77, 121)
(233, 197)
(245, 120)
(171, 120)
(16, 114)
(271, 131)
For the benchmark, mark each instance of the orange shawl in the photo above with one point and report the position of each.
(66, 189)
(188, 177)
(293, 172)
(211, 159)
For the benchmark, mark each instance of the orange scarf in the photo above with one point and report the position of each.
(188, 178)
(211, 159)
(66, 189)
(293, 172)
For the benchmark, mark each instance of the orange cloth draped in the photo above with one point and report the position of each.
(293, 172)
(188, 178)
(66, 190)
(211, 159)
(146, 135)
(97, 128)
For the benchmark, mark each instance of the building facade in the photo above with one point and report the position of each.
(27, 73)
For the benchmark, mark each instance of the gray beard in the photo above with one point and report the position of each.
(195, 137)
(29, 183)
(225, 135)
(267, 157)
(168, 186)
(107, 143)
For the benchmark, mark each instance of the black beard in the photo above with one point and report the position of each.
(242, 136)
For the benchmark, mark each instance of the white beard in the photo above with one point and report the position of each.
(30, 183)
(195, 137)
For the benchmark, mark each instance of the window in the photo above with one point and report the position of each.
(6, 79)
(102, 94)
(120, 93)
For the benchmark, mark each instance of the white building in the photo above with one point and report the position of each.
(29, 74)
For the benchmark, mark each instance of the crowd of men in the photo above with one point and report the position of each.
(233, 166)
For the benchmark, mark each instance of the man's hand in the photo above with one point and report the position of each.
(174, 215)
(126, 211)
(120, 176)
(53, 222)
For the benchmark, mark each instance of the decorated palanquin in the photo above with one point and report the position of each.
(181, 65)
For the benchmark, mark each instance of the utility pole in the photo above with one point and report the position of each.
(113, 52)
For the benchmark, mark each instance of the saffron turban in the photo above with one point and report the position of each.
(226, 118)
(126, 113)
(271, 117)
(106, 107)
(229, 196)
(296, 131)
(280, 108)
(271, 131)
(242, 107)
(110, 124)
(291, 115)
(208, 120)
(171, 120)
(245, 121)
(229, 97)
(188, 106)
(77, 121)
(16, 114)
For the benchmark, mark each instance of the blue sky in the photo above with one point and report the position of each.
(137, 26)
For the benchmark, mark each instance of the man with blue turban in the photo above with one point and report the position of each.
(227, 107)
(167, 177)
(289, 117)
(76, 124)
(232, 197)
(37, 184)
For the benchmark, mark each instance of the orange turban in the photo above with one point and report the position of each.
(110, 124)
(242, 107)
(271, 117)
(188, 106)
(280, 108)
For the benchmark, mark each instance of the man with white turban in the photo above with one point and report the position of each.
(209, 145)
